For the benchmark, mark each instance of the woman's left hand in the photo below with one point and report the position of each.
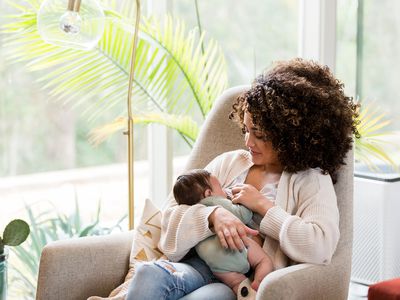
(249, 196)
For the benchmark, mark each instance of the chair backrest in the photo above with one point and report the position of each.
(344, 193)
(219, 134)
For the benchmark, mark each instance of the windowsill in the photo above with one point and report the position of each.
(57, 191)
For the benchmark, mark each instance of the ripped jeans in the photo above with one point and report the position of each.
(190, 279)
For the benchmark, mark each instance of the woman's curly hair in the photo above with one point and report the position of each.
(301, 108)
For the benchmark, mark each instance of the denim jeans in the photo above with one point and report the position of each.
(165, 280)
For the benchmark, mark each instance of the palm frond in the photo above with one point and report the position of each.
(183, 124)
(204, 72)
(173, 75)
(371, 146)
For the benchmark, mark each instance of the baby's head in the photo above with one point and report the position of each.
(195, 185)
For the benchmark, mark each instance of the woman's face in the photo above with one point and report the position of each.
(262, 152)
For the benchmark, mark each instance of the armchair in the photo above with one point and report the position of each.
(77, 269)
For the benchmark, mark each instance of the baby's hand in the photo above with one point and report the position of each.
(228, 193)
(250, 197)
(258, 239)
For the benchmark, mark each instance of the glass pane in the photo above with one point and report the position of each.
(378, 53)
(251, 34)
(50, 175)
(347, 44)
(368, 62)
(380, 64)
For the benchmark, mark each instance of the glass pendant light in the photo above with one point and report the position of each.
(71, 23)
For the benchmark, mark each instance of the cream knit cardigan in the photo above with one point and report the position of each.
(303, 226)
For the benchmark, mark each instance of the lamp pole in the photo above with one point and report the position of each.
(129, 131)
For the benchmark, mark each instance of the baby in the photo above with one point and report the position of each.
(229, 266)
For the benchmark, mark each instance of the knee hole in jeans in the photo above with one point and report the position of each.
(166, 266)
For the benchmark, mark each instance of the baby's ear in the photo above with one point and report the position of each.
(207, 193)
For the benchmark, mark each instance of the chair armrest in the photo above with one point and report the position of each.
(75, 269)
(305, 281)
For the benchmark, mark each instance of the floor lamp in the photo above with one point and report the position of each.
(79, 24)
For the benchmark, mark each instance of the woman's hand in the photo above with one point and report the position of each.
(231, 232)
(249, 196)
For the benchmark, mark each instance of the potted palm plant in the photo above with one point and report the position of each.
(14, 234)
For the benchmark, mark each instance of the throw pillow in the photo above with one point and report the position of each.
(147, 235)
(144, 247)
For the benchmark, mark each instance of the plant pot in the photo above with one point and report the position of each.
(3, 274)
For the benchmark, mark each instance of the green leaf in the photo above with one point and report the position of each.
(15, 232)
(183, 124)
(86, 231)
(45, 227)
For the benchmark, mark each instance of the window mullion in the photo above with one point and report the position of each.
(317, 31)
(159, 139)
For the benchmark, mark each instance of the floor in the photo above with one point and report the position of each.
(358, 291)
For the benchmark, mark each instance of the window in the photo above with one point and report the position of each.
(369, 53)
(252, 35)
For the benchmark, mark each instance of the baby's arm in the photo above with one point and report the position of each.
(259, 261)
(231, 279)
(258, 239)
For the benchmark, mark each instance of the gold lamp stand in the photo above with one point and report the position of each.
(129, 132)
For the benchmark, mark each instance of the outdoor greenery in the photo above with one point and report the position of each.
(250, 42)
(372, 147)
(376, 54)
(175, 76)
(179, 72)
(252, 34)
(246, 44)
(48, 226)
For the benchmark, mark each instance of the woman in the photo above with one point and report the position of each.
(297, 125)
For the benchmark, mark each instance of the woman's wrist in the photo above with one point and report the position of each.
(265, 205)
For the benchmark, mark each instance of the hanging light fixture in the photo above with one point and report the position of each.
(79, 24)
(72, 23)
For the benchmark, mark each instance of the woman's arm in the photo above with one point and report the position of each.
(232, 233)
(184, 226)
(312, 233)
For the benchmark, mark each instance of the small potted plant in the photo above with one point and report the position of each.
(14, 234)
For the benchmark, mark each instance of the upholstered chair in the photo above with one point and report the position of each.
(79, 268)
